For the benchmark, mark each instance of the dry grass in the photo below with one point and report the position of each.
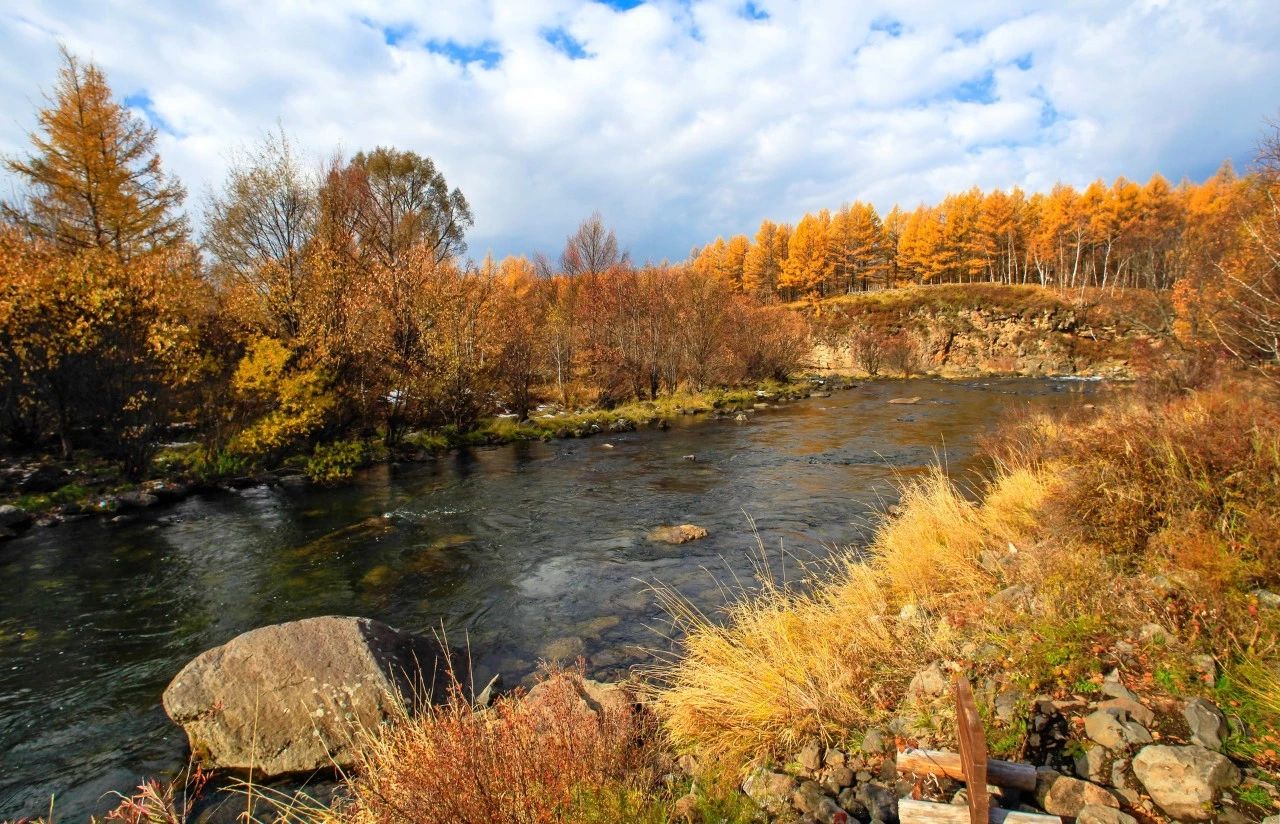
(540, 762)
(1079, 515)
(829, 658)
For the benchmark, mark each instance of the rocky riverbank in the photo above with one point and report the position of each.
(46, 492)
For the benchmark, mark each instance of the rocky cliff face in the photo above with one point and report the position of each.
(1048, 337)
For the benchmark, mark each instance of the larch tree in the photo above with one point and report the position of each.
(94, 179)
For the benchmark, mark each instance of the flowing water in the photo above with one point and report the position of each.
(524, 551)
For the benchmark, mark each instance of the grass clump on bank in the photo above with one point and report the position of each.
(1152, 512)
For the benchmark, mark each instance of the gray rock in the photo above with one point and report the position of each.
(1011, 596)
(1099, 814)
(289, 697)
(1133, 709)
(1270, 600)
(1058, 794)
(1207, 723)
(811, 800)
(1112, 687)
(930, 681)
(1271, 819)
(810, 757)
(771, 790)
(1207, 665)
(1091, 764)
(848, 801)
(837, 778)
(1154, 633)
(44, 478)
(1111, 729)
(14, 517)
(137, 499)
(835, 758)
(873, 740)
(879, 801)
(1184, 782)
(1008, 705)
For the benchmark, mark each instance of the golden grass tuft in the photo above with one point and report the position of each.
(829, 658)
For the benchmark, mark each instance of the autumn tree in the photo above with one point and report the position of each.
(808, 265)
(399, 201)
(258, 228)
(100, 297)
(763, 261)
(94, 179)
(590, 250)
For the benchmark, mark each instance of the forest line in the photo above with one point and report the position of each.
(323, 304)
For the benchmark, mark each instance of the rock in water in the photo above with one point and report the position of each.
(292, 697)
(682, 534)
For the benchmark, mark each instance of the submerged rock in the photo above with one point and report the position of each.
(291, 697)
(905, 401)
(682, 534)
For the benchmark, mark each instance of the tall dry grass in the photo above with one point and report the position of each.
(556, 759)
(1070, 529)
(830, 657)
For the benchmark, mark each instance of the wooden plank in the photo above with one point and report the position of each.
(973, 750)
(938, 762)
(929, 812)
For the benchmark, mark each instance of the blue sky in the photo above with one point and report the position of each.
(679, 120)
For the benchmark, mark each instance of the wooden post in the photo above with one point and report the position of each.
(973, 750)
(938, 762)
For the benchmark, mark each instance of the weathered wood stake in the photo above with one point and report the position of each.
(938, 762)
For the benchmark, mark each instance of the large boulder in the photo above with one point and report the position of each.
(1184, 781)
(293, 697)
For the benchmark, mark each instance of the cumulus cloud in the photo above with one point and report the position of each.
(679, 119)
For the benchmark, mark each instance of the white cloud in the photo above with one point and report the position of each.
(686, 119)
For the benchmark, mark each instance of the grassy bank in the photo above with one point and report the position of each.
(1131, 537)
(91, 485)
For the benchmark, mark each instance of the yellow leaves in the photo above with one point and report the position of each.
(295, 401)
(95, 181)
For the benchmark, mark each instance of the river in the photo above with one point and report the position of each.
(521, 551)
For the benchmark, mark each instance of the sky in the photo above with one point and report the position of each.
(677, 120)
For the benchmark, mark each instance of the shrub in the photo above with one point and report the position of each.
(517, 761)
(337, 462)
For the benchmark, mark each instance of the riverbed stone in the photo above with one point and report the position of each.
(291, 697)
(1207, 723)
(682, 534)
(14, 517)
(1184, 782)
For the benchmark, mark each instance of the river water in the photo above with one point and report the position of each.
(524, 551)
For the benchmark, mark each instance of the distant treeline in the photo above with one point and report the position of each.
(319, 304)
(1122, 235)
